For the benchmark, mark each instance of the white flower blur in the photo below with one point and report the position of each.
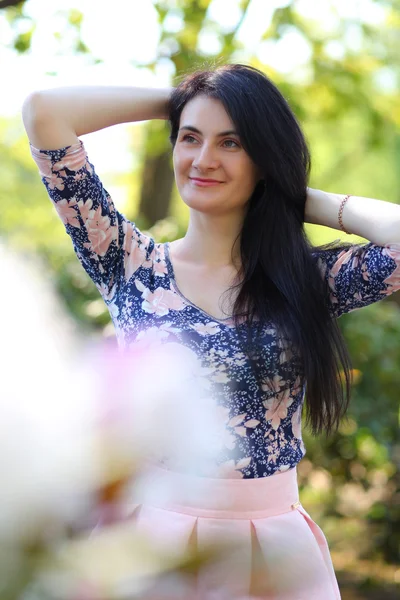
(46, 460)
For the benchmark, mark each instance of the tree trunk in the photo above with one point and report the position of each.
(157, 175)
(157, 186)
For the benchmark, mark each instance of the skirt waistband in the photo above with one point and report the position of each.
(224, 498)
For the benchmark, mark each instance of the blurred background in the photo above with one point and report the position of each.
(338, 65)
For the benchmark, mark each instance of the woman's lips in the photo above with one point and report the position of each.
(204, 182)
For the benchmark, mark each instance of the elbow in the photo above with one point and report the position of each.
(37, 120)
(32, 108)
(394, 235)
(42, 124)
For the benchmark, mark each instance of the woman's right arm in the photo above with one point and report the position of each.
(109, 246)
(55, 118)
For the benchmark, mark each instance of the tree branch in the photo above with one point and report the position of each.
(7, 3)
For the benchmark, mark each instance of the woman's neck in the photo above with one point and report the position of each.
(209, 240)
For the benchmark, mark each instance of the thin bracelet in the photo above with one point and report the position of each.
(341, 213)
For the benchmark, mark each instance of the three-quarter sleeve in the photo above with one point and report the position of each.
(359, 275)
(109, 246)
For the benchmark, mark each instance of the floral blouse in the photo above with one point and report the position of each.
(135, 278)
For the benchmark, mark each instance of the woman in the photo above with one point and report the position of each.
(243, 290)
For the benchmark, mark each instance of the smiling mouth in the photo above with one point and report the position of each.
(205, 181)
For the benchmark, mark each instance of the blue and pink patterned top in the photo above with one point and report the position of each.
(135, 277)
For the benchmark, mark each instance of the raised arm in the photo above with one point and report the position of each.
(55, 118)
(110, 247)
(375, 220)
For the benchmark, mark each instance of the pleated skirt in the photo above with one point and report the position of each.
(273, 550)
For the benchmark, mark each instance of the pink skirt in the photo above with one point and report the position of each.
(277, 552)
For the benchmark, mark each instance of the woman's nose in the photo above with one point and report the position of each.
(205, 158)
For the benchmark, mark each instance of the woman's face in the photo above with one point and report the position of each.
(207, 148)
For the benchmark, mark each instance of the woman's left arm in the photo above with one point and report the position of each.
(375, 220)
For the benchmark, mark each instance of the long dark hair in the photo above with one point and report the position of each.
(279, 278)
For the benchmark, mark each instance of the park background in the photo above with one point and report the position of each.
(338, 65)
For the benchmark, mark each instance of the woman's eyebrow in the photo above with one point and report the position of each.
(195, 130)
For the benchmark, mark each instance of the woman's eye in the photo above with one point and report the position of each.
(187, 138)
(232, 142)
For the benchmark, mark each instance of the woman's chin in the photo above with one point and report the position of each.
(203, 207)
(204, 201)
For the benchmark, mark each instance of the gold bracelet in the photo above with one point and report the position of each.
(341, 212)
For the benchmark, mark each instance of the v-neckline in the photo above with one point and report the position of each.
(227, 321)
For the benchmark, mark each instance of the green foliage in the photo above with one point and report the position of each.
(22, 42)
(75, 17)
(362, 457)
